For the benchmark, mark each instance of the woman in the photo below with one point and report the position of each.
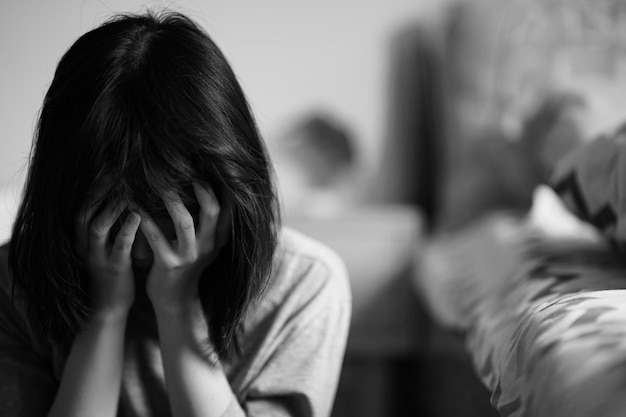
(147, 273)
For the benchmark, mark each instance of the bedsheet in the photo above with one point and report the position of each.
(543, 313)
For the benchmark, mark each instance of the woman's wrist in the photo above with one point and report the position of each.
(183, 312)
(186, 319)
(110, 315)
(174, 290)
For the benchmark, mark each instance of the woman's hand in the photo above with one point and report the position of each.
(173, 278)
(111, 276)
(195, 381)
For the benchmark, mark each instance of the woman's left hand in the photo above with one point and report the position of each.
(173, 279)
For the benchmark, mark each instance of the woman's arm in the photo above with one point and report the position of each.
(196, 384)
(92, 375)
(306, 335)
(90, 385)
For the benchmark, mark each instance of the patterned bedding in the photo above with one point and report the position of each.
(543, 313)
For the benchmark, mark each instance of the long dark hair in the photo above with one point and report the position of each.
(140, 105)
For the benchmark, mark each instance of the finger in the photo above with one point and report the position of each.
(123, 244)
(83, 223)
(156, 240)
(100, 227)
(183, 223)
(209, 214)
(81, 233)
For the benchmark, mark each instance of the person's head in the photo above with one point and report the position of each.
(316, 163)
(142, 105)
(321, 148)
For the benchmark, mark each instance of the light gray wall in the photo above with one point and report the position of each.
(290, 56)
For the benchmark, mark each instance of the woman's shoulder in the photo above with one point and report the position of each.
(295, 245)
(303, 264)
(297, 250)
(303, 312)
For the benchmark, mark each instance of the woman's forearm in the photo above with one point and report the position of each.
(195, 385)
(92, 376)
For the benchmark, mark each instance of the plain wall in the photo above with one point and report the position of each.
(290, 56)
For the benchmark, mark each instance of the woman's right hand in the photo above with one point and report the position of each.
(109, 262)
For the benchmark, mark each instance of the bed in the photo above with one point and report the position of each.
(540, 299)
(530, 279)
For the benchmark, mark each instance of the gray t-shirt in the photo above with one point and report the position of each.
(292, 346)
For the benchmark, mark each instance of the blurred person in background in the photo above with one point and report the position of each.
(316, 163)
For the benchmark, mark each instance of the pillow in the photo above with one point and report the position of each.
(591, 182)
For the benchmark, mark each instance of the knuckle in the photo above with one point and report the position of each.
(97, 230)
(177, 264)
(166, 264)
(212, 211)
(186, 224)
(190, 258)
(122, 245)
(153, 236)
(125, 232)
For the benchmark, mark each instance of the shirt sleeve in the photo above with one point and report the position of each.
(300, 360)
(27, 384)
